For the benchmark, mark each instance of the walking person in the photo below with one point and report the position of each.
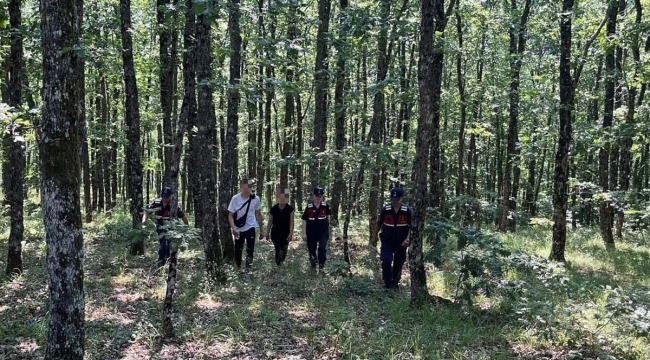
(315, 228)
(162, 214)
(394, 222)
(244, 214)
(280, 226)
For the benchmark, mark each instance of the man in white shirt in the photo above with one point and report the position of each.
(244, 214)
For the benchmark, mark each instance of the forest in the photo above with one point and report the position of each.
(516, 128)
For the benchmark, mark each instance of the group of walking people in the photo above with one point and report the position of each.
(245, 216)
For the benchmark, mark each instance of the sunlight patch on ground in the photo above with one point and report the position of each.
(105, 313)
(21, 348)
(208, 304)
(122, 281)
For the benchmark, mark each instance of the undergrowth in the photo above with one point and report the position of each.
(507, 300)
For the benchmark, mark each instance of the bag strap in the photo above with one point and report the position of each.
(248, 202)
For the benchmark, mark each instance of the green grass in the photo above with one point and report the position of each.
(289, 313)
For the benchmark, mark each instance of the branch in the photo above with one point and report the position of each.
(578, 70)
(450, 9)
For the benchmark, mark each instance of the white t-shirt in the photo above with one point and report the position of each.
(237, 203)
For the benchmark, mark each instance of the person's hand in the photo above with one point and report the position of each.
(261, 235)
(406, 243)
(304, 236)
(235, 233)
(289, 238)
(373, 240)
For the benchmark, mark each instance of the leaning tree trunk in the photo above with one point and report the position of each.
(60, 170)
(132, 122)
(16, 145)
(321, 79)
(608, 116)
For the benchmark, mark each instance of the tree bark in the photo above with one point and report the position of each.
(166, 76)
(429, 83)
(290, 112)
(460, 181)
(227, 184)
(132, 124)
(605, 210)
(15, 144)
(189, 106)
(517, 47)
(339, 114)
(60, 168)
(106, 150)
(626, 149)
(321, 80)
(378, 115)
(567, 91)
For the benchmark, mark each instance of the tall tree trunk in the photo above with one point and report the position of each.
(378, 115)
(626, 149)
(99, 149)
(15, 144)
(132, 124)
(300, 167)
(517, 46)
(269, 91)
(567, 91)
(58, 140)
(106, 151)
(289, 108)
(321, 80)
(189, 106)
(206, 139)
(460, 181)
(567, 97)
(166, 76)
(339, 113)
(113, 154)
(606, 212)
(430, 67)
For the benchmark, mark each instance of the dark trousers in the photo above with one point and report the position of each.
(165, 249)
(393, 256)
(247, 236)
(317, 247)
(281, 246)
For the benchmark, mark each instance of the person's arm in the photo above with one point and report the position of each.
(269, 225)
(260, 221)
(231, 221)
(291, 222)
(145, 215)
(231, 217)
(375, 232)
(185, 221)
(304, 224)
(407, 242)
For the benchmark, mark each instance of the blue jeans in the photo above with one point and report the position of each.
(393, 256)
(319, 243)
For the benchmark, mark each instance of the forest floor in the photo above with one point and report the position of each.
(290, 313)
